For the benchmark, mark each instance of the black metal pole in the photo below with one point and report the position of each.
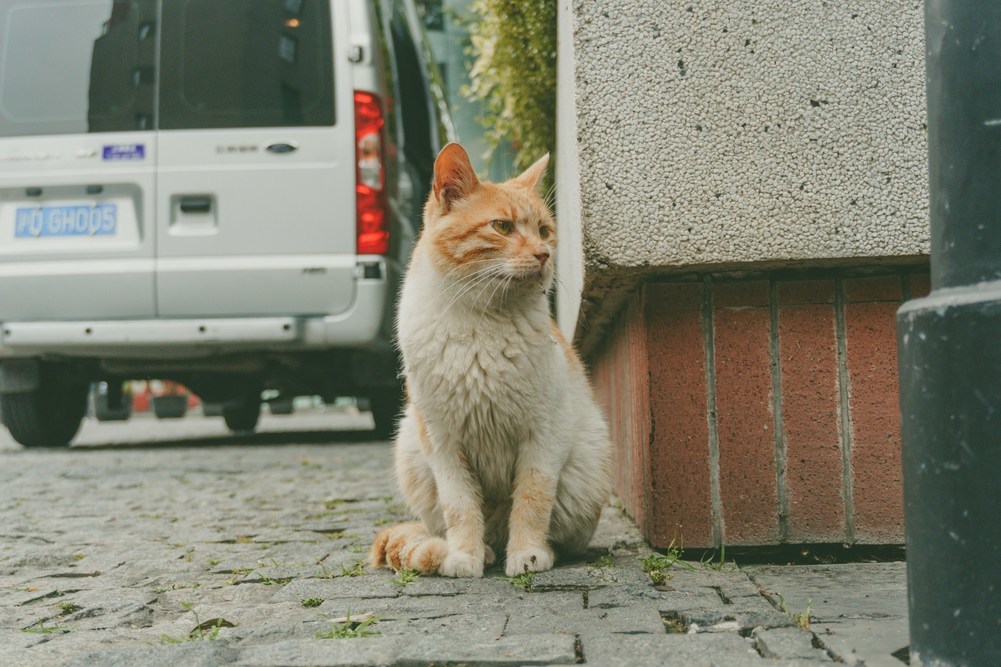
(950, 352)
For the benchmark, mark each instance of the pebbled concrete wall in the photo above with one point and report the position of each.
(741, 134)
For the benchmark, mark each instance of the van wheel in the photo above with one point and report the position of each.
(385, 407)
(242, 417)
(49, 416)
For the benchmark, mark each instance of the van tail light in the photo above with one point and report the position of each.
(370, 176)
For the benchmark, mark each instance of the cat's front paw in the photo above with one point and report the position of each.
(461, 564)
(534, 559)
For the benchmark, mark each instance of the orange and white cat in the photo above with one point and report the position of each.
(501, 444)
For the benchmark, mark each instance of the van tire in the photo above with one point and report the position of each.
(242, 417)
(48, 416)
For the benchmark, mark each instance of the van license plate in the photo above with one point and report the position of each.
(73, 220)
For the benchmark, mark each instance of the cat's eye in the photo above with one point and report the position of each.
(544, 232)
(503, 226)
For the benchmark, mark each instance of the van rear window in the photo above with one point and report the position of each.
(78, 66)
(246, 63)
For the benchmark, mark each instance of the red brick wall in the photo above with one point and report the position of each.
(753, 412)
(621, 384)
(745, 424)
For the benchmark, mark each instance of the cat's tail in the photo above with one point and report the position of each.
(408, 545)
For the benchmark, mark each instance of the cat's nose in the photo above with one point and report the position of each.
(542, 254)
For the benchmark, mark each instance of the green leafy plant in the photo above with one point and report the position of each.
(801, 619)
(203, 630)
(311, 602)
(348, 628)
(604, 561)
(522, 581)
(405, 576)
(42, 629)
(710, 563)
(355, 570)
(514, 75)
(67, 608)
(657, 565)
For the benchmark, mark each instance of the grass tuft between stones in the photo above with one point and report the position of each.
(522, 581)
(405, 576)
(348, 628)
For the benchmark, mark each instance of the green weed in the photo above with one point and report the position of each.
(203, 630)
(355, 570)
(800, 619)
(67, 608)
(311, 602)
(522, 581)
(42, 629)
(604, 561)
(351, 629)
(405, 576)
(710, 563)
(657, 565)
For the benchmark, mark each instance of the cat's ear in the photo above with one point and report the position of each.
(454, 177)
(532, 176)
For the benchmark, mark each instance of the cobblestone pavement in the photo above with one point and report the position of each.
(198, 548)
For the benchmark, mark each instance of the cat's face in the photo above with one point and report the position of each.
(494, 231)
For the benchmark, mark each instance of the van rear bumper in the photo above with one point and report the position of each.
(358, 327)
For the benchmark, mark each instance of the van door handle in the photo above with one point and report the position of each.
(196, 204)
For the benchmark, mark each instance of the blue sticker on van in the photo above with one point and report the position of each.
(124, 152)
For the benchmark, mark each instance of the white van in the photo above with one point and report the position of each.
(218, 192)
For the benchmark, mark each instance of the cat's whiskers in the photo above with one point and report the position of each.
(550, 197)
(460, 281)
(482, 282)
(467, 264)
(507, 284)
(483, 275)
(558, 281)
(492, 293)
(461, 287)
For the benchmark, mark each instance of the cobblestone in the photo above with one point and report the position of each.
(128, 554)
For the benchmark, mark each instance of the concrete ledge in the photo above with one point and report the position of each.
(747, 135)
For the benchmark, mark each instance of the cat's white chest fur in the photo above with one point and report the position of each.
(485, 377)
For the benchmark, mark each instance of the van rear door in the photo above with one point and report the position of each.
(77, 156)
(255, 182)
